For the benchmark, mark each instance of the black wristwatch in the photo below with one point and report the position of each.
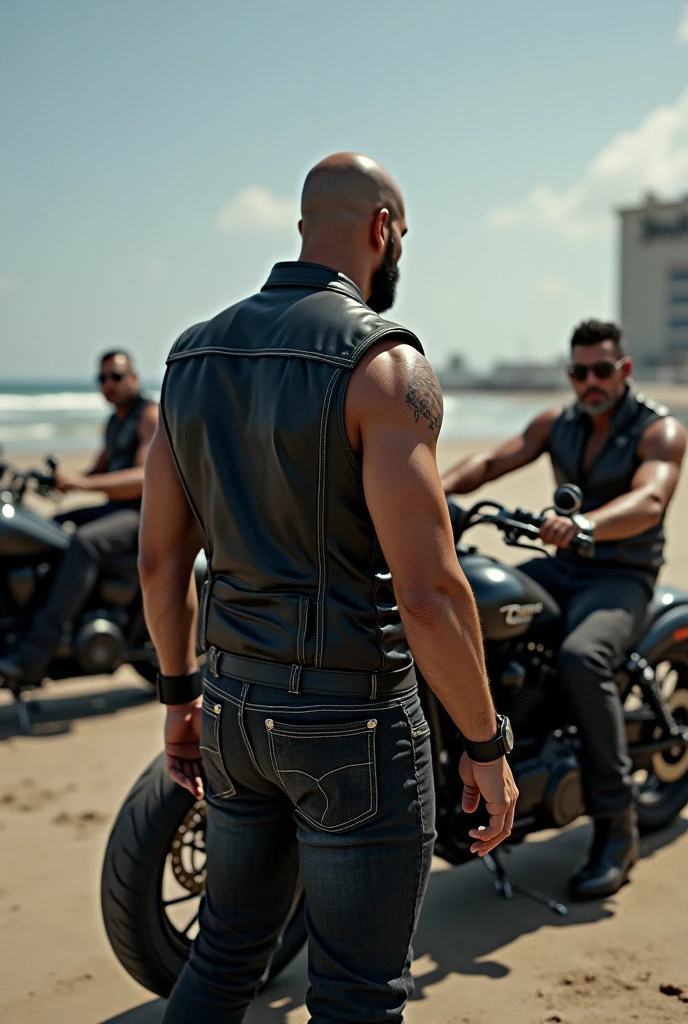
(490, 750)
(179, 689)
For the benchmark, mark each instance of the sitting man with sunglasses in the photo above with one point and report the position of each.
(624, 451)
(101, 530)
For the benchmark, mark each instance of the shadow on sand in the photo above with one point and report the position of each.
(463, 923)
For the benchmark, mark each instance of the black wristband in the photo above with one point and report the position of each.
(179, 689)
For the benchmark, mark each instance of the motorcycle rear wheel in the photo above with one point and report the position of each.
(153, 878)
(663, 791)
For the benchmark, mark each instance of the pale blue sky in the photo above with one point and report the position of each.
(136, 133)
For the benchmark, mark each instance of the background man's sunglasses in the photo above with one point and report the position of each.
(103, 378)
(601, 369)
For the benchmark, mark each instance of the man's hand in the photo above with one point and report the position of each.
(65, 481)
(182, 752)
(495, 783)
(558, 530)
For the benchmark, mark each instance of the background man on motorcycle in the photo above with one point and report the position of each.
(101, 530)
(624, 452)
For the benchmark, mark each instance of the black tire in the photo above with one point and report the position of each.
(147, 670)
(662, 797)
(143, 938)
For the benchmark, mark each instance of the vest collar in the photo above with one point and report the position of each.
(315, 276)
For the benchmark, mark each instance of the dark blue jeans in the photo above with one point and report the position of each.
(341, 790)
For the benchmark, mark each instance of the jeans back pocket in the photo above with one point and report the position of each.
(328, 771)
(217, 779)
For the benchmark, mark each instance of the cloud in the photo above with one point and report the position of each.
(256, 209)
(652, 156)
(682, 30)
(7, 283)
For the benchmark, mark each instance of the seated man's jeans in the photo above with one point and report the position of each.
(604, 611)
(339, 789)
(101, 531)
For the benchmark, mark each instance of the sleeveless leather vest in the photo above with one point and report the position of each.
(253, 404)
(610, 474)
(122, 436)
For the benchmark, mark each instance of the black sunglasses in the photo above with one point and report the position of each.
(103, 378)
(602, 370)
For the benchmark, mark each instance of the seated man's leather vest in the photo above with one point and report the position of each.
(253, 405)
(609, 476)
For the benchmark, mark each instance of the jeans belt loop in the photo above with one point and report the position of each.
(373, 685)
(295, 679)
(213, 658)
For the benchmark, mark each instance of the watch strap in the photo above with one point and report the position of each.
(179, 689)
(489, 750)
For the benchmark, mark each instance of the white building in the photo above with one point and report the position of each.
(654, 282)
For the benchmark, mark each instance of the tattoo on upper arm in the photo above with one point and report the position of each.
(424, 396)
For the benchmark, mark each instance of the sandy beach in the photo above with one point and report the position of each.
(477, 958)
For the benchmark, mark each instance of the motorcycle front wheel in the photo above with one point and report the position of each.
(663, 786)
(153, 879)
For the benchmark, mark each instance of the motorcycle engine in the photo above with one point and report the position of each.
(99, 645)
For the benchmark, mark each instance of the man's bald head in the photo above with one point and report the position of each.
(348, 186)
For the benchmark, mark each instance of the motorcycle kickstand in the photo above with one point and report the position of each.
(508, 889)
(23, 714)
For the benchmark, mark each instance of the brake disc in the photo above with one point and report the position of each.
(187, 852)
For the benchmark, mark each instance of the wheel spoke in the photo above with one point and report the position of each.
(180, 899)
(190, 925)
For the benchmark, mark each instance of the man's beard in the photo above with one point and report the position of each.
(600, 408)
(383, 284)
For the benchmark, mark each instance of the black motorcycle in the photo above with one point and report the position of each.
(153, 874)
(110, 629)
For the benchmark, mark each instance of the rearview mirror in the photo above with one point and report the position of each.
(567, 499)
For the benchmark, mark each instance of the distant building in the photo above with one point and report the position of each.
(654, 282)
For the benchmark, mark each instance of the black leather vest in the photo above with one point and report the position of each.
(253, 404)
(610, 474)
(122, 436)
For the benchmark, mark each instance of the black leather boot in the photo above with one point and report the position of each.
(614, 851)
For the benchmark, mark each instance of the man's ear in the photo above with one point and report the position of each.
(301, 227)
(379, 229)
(627, 367)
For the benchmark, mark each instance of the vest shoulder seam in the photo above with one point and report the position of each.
(259, 352)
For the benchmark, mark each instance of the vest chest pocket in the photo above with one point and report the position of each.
(219, 782)
(328, 771)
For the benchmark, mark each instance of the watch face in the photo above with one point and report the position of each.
(508, 736)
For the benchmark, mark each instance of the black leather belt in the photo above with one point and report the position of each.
(300, 679)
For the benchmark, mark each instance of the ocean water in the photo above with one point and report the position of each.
(53, 418)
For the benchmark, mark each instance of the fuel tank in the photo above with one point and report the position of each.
(509, 602)
(24, 533)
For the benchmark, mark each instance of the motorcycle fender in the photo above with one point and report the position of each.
(664, 633)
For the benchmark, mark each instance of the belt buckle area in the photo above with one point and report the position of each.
(373, 685)
(213, 659)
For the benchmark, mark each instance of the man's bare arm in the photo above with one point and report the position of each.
(169, 540)
(393, 416)
(123, 484)
(661, 450)
(476, 470)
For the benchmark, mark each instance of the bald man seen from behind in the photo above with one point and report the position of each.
(296, 425)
